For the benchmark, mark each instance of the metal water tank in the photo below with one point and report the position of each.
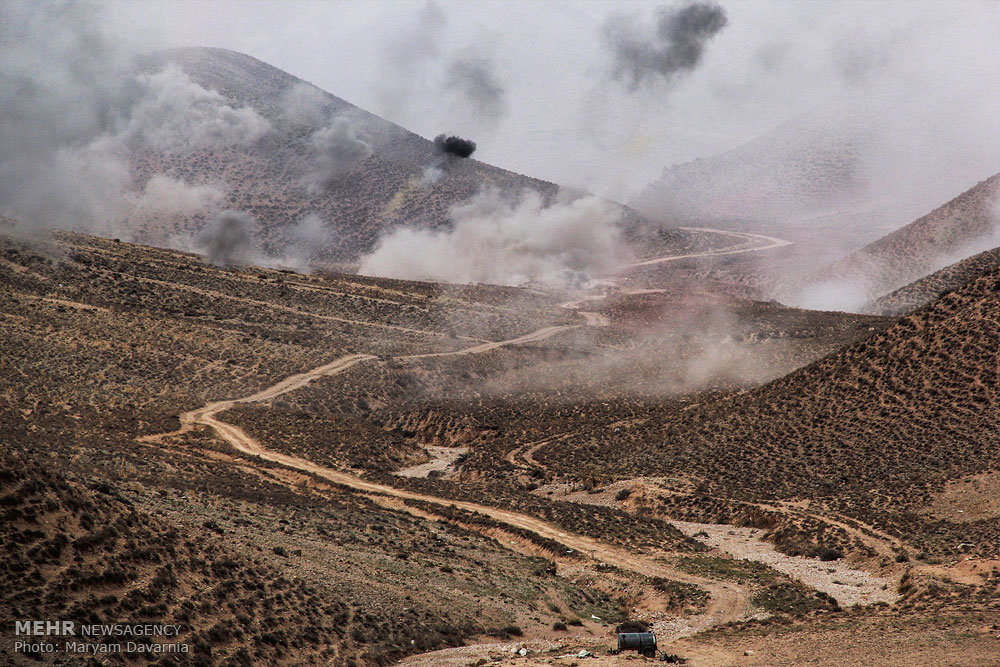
(643, 642)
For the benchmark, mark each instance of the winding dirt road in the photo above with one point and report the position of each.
(540, 334)
(766, 243)
(728, 601)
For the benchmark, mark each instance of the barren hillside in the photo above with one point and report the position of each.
(965, 225)
(216, 448)
(800, 169)
(921, 292)
(268, 178)
(874, 432)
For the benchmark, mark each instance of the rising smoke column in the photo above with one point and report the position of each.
(228, 239)
(474, 80)
(403, 78)
(337, 149)
(424, 78)
(507, 240)
(675, 46)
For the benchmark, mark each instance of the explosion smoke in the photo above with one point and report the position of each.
(228, 240)
(177, 115)
(456, 146)
(476, 81)
(71, 111)
(305, 104)
(338, 149)
(502, 240)
(676, 46)
(308, 237)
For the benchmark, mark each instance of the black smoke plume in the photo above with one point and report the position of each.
(455, 146)
(675, 47)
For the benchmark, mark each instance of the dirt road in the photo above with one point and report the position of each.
(750, 243)
(763, 243)
(540, 334)
(728, 601)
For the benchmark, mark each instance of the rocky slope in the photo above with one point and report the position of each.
(874, 431)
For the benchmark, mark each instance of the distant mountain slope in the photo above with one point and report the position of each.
(838, 177)
(802, 168)
(921, 292)
(266, 178)
(963, 226)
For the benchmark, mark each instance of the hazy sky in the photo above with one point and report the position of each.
(557, 112)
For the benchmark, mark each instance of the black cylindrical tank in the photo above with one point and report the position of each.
(636, 641)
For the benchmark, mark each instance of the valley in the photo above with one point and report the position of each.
(571, 334)
(335, 430)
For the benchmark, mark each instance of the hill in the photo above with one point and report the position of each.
(397, 177)
(294, 543)
(106, 343)
(965, 225)
(878, 434)
(803, 168)
(921, 292)
(329, 468)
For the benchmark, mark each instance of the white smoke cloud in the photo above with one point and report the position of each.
(305, 104)
(507, 241)
(832, 295)
(72, 109)
(164, 195)
(308, 236)
(175, 115)
(431, 175)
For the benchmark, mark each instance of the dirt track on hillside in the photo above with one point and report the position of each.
(728, 602)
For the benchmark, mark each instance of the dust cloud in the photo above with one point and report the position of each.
(73, 107)
(507, 240)
(228, 239)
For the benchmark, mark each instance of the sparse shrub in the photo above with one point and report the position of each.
(623, 494)
(827, 555)
(559, 625)
(213, 526)
(632, 626)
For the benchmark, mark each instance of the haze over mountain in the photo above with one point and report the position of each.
(920, 292)
(213, 151)
(967, 224)
(876, 431)
(841, 172)
(360, 398)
